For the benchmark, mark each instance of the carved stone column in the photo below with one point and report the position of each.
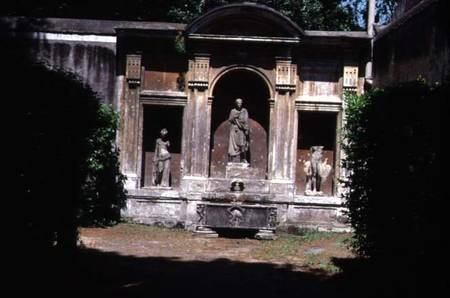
(350, 85)
(197, 120)
(350, 79)
(283, 119)
(129, 129)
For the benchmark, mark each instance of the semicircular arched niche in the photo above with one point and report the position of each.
(253, 90)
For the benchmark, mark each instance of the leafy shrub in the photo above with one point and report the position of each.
(58, 116)
(63, 141)
(393, 160)
(103, 192)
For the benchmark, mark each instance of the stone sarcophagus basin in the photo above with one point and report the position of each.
(216, 215)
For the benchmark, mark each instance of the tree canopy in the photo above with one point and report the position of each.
(308, 14)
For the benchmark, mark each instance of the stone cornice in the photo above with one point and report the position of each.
(421, 6)
(242, 38)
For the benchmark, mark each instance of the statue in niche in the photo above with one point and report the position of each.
(161, 160)
(317, 170)
(239, 134)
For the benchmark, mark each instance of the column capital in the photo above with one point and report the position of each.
(133, 69)
(286, 75)
(199, 72)
(350, 79)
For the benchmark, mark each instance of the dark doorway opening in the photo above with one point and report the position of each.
(316, 129)
(155, 119)
(253, 90)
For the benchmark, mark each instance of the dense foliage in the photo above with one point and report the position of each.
(102, 192)
(67, 167)
(393, 156)
(308, 14)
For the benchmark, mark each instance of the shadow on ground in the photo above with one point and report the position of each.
(107, 274)
(94, 273)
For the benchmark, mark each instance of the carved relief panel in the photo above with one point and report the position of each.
(286, 75)
(133, 69)
(199, 72)
(350, 80)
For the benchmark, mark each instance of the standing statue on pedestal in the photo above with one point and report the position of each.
(316, 172)
(239, 133)
(161, 161)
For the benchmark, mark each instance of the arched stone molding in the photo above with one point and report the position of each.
(213, 21)
(250, 68)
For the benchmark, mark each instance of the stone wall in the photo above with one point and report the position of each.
(415, 44)
(84, 47)
(299, 76)
(93, 61)
(325, 214)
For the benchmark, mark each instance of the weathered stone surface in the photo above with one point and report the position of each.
(242, 171)
(265, 235)
(414, 45)
(277, 70)
(154, 211)
(329, 218)
(205, 232)
(237, 197)
(237, 216)
(191, 215)
(323, 213)
(220, 185)
(194, 184)
(284, 188)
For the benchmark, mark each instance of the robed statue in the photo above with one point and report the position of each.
(161, 161)
(239, 133)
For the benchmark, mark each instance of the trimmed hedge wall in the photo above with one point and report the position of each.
(66, 164)
(394, 191)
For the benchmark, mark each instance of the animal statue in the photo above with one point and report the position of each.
(317, 170)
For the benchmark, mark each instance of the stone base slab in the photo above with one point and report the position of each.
(265, 235)
(205, 232)
(242, 171)
(320, 213)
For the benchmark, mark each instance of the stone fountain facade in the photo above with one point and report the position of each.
(186, 79)
(291, 83)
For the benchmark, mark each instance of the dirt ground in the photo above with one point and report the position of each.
(139, 261)
(305, 252)
(130, 260)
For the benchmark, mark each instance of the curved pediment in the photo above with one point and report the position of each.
(245, 19)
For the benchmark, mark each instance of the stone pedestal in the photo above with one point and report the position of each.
(162, 188)
(205, 232)
(265, 234)
(131, 181)
(241, 170)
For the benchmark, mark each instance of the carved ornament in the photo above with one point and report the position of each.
(199, 73)
(286, 76)
(133, 70)
(236, 216)
(201, 213)
(350, 79)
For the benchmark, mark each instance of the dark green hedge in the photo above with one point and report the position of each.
(103, 193)
(393, 157)
(67, 167)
